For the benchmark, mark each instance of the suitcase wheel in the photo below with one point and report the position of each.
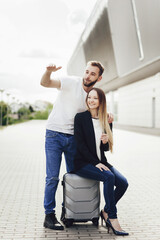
(68, 223)
(95, 221)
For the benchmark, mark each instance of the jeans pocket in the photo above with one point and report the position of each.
(50, 133)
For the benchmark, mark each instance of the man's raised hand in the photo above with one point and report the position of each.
(52, 68)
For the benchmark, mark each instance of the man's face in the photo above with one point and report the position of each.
(91, 76)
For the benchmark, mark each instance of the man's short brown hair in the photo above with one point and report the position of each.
(97, 64)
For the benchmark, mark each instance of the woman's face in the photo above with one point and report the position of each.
(93, 100)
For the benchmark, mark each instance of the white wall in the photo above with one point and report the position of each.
(157, 94)
(77, 63)
(135, 44)
(135, 103)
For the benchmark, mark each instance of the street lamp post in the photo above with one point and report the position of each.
(8, 94)
(1, 90)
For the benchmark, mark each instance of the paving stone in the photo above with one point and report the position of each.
(22, 179)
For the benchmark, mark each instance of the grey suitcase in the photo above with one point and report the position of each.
(81, 198)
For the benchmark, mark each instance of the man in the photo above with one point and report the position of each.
(59, 129)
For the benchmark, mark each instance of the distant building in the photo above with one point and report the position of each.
(124, 35)
(40, 105)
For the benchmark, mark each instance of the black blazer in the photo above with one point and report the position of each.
(85, 142)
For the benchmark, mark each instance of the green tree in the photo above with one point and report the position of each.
(43, 114)
(23, 113)
(5, 110)
(31, 109)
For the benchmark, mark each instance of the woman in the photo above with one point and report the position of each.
(93, 136)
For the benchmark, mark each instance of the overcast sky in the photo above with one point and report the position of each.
(34, 33)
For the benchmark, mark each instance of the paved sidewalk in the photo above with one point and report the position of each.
(22, 176)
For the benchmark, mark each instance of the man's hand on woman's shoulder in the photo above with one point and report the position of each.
(110, 117)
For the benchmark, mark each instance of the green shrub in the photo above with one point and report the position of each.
(41, 115)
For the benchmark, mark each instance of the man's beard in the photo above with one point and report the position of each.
(89, 84)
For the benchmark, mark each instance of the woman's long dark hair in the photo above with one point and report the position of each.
(102, 114)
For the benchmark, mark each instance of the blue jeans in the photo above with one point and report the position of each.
(56, 144)
(114, 185)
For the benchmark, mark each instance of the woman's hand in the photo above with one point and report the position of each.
(102, 167)
(104, 138)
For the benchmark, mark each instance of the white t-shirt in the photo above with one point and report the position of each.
(98, 133)
(70, 101)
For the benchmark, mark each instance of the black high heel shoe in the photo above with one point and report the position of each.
(109, 225)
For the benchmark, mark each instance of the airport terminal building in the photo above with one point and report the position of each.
(125, 36)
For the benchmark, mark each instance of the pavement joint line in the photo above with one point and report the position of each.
(21, 191)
